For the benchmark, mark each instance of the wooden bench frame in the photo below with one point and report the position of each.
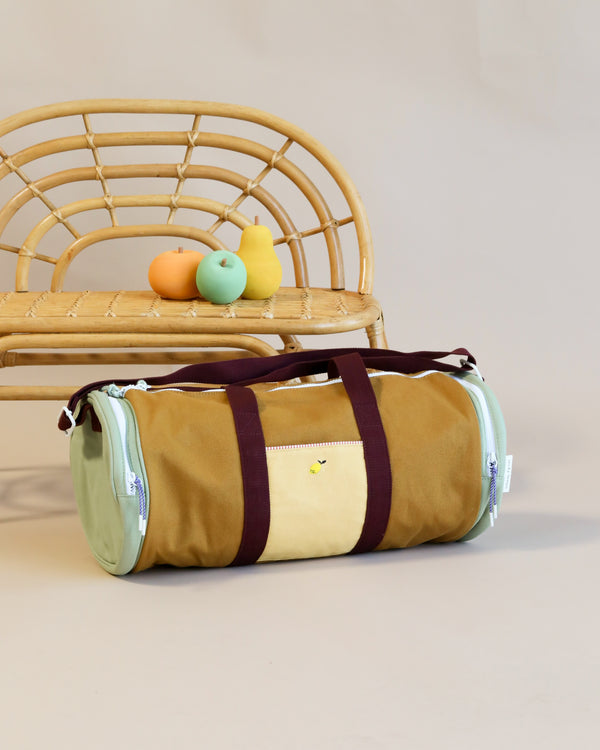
(53, 319)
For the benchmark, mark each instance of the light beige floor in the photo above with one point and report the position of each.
(490, 644)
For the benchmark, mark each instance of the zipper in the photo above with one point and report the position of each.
(133, 483)
(119, 392)
(332, 381)
(490, 443)
(115, 392)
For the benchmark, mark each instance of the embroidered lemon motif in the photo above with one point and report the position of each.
(317, 466)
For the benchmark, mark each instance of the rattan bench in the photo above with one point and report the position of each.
(204, 184)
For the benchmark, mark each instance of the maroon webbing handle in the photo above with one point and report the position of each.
(360, 391)
(282, 367)
(255, 476)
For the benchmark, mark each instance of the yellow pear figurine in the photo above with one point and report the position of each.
(262, 264)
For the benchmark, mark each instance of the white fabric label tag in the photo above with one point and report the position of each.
(507, 474)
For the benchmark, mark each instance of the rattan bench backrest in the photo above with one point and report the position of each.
(198, 133)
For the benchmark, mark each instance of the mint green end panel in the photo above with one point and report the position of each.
(99, 509)
(499, 430)
(108, 515)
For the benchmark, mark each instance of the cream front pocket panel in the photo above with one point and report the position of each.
(318, 499)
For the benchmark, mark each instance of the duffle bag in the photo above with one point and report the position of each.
(300, 455)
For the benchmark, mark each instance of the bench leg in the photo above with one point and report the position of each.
(291, 344)
(376, 334)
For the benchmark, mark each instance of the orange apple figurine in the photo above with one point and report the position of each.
(172, 274)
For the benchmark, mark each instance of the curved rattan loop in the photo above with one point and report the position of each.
(129, 201)
(164, 170)
(120, 232)
(274, 159)
(196, 109)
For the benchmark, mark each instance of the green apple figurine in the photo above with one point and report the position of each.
(221, 277)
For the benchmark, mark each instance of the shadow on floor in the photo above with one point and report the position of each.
(515, 531)
(522, 530)
(45, 493)
(36, 493)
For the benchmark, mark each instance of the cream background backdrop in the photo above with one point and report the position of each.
(471, 130)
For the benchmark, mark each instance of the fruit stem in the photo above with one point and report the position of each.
(256, 220)
(224, 262)
(179, 249)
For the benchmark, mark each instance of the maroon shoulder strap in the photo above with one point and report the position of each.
(280, 367)
(225, 372)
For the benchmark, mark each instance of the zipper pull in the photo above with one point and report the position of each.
(113, 390)
(143, 508)
(116, 392)
(131, 482)
(493, 469)
(136, 487)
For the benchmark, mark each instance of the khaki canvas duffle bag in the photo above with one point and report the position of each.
(308, 454)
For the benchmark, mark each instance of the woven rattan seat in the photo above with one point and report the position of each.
(190, 203)
(298, 310)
